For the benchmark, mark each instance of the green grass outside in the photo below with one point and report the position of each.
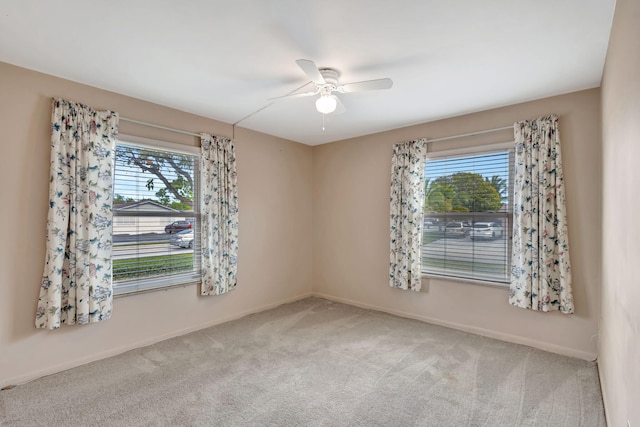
(431, 236)
(131, 268)
(157, 242)
(498, 269)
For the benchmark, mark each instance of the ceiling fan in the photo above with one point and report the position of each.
(326, 83)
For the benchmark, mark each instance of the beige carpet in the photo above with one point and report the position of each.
(317, 363)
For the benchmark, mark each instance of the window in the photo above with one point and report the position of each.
(156, 215)
(467, 218)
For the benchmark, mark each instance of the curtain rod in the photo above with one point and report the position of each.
(480, 132)
(184, 132)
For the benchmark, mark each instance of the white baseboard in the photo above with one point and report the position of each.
(24, 378)
(553, 348)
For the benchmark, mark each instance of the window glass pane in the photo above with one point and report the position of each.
(158, 177)
(467, 217)
(155, 224)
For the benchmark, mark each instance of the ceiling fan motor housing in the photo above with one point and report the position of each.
(330, 76)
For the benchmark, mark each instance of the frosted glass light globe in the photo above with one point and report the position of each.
(326, 104)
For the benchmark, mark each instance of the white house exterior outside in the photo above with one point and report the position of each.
(126, 219)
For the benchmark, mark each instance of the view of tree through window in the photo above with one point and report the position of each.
(467, 219)
(155, 227)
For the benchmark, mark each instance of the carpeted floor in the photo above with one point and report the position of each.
(317, 363)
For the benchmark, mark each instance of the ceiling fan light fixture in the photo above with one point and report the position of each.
(326, 104)
(326, 82)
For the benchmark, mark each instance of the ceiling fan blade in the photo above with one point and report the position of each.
(295, 95)
(339, 107)
(366, 85)
(311, 70)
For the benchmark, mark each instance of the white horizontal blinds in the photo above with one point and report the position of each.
(467, 221)
(155, 218)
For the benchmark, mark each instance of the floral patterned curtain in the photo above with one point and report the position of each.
(219, 213)
(407, 204)
(76, 284)
(541, 271)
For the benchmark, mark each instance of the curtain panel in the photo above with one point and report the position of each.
(407, 203)
(541, 270)
(219, 215)
(76, 283)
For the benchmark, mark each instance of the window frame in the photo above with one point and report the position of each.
(135, 286)
(508, 146)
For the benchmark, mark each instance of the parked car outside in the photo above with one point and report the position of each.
(430, 224)
(177, 226)
(184, 239)
(486, 230)
(456, 229)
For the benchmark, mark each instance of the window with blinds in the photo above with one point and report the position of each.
(467, 218)
(155, 218)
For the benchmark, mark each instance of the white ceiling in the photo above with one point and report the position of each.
(223, 59)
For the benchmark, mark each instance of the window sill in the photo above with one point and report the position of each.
(500, 285)
(144, 286)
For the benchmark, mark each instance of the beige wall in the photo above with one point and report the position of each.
(351, 229)
(275, 252)
(619, 358)
(330, 211)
